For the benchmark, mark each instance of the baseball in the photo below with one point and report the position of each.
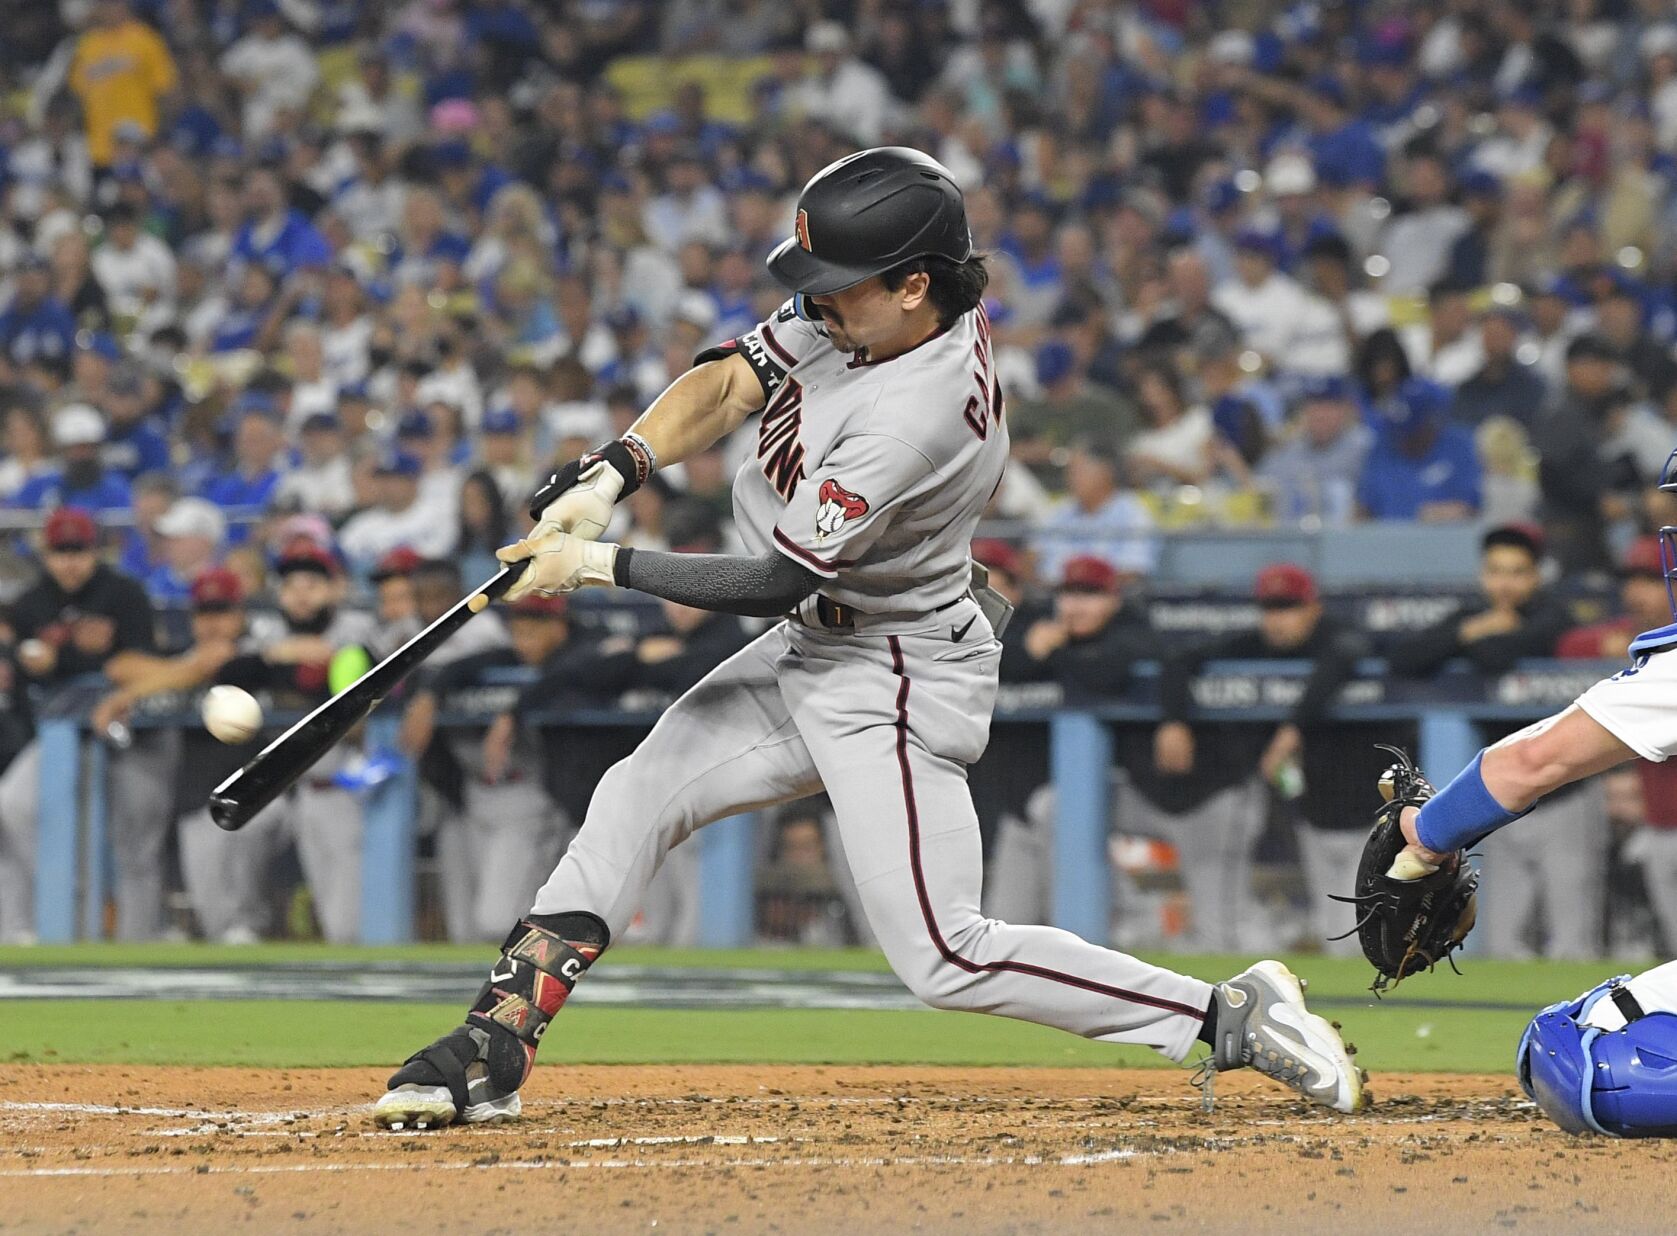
(231, 714)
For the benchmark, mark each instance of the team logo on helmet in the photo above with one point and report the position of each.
(803, 231)
(836, 506)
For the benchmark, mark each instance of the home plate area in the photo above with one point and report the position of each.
(803, 1149)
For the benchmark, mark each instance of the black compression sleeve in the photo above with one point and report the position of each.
(762, 587)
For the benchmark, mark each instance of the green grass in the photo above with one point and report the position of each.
(1425, 1025)
(178, 955)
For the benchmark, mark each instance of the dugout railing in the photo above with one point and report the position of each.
(73, 865)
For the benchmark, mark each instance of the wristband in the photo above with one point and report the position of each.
(1462, 813)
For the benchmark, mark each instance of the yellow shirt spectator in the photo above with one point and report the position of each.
(120, 71)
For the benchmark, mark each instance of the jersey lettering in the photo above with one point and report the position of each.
(989, 398)
(779, 451)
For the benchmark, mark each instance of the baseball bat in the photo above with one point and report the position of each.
(288, 757)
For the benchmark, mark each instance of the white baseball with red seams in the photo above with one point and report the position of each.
(874, 477)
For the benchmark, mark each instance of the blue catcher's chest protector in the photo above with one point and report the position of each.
(1619, 1082)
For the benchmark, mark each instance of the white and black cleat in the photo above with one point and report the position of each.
(1263, 1024)
(432, 1107)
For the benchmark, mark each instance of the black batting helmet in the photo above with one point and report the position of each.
(868, 212)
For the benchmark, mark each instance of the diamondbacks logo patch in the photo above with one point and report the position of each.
(803, 231)
(835, 506)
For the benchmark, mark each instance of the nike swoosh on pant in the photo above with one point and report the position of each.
(959, 633)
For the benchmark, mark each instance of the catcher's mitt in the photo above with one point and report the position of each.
(1408, 925)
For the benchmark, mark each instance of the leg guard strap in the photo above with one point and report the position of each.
(540, 963)
(538, 969)
(443, 1063)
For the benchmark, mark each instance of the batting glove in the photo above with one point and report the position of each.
(559, 563)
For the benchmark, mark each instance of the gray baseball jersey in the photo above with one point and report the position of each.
(872, 474)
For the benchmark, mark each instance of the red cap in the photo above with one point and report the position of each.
(1285, 582)
(402, 560)
(535, 605)
(71, 528)
(216, 588)
(1000, 556)
(302, 555)
(1087, 573)
(1643, 557)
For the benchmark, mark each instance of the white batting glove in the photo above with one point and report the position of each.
(584, 509)
(559, 562)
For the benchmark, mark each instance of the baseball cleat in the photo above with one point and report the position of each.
(411, 1106)
(1262, 1023)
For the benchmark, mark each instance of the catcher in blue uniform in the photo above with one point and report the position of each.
(1606, 1061)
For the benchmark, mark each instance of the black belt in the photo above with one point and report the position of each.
(834, 616)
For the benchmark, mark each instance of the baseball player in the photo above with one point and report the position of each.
(1618, 719)
(880, 440)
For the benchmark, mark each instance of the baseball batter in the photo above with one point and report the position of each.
(880, 441)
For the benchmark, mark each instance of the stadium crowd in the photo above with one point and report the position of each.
(297, 297)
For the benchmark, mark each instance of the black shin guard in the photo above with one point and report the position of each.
(540, 963)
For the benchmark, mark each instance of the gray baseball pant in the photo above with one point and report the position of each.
(887, 721)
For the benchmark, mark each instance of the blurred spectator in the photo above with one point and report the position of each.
(1097, 518)
(322, 481)
(136, 270)
(839, 89)
(192, 532)
(25, 443)
(1189, 319)
(1070, 407)
(70, 624)
(1620, 319)
(121, 71)
(1205, 791)
(1418, 242)
(174, 759)
(322, 815)
(485, 525)
(272, 68)
(1175, 446)
(252, 474)
(1088, 645)
(1504, 384)
(1292, 328)
(134, 443)
(1421, 466)
(80, 479)
(1315, 474)
(1644, 606)
(1518, 618)
(1509, 492)
(36, 328)
(798, 899)
(1579, 494)
(1446, 348)
(398, 518)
